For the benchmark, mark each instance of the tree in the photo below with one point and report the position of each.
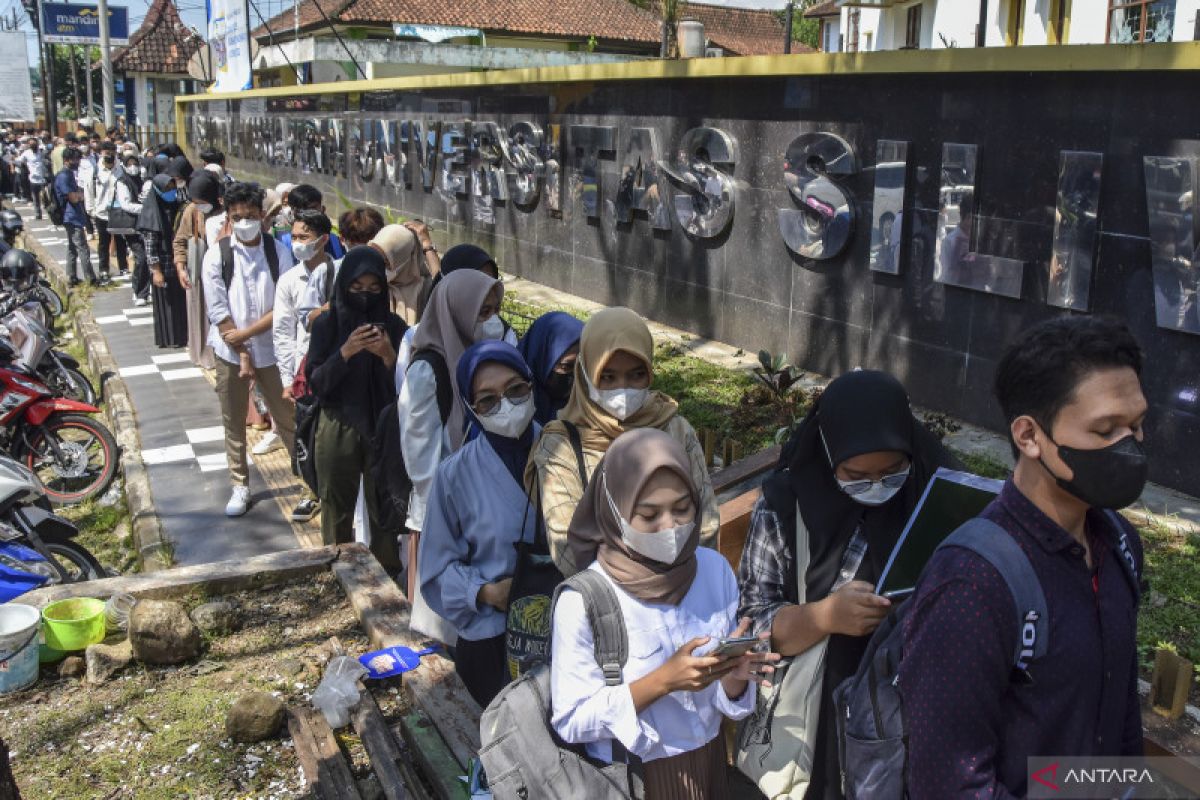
(804, 29)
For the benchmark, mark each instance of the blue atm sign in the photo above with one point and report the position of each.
(64, 23)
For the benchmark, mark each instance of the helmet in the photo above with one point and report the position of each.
(11, 222)
(18, 268)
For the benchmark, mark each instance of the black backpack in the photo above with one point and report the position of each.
(871, 731)
(268, 246)
(392, 484)
(53, 203)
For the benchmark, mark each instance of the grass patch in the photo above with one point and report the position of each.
(1171, 608)
(983, 465)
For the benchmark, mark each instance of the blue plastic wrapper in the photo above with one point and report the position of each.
(392, 661)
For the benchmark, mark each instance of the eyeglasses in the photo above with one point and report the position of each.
(489, 404)
(893, 481)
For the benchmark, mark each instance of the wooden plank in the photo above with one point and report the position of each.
(381, 746)
(383, 611)
(735, 525)
(1180, 770)
(438, 764)
(744, 470)
(325, 769)
(1170, 684)
(220, 577)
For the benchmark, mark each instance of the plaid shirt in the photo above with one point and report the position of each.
(764, 581)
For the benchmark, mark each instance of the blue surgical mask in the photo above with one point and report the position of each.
(169, 196)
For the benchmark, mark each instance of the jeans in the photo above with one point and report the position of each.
(77, 250)
(105, 245)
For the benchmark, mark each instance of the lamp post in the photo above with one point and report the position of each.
(787, 24)
(106, 73)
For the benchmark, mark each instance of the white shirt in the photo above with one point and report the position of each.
(586, 711)
(212, 230)
(99, 192)
(33, 162)
(249, 298)
(404, 353)
(424, 440)
(289, 336)
(315, 296)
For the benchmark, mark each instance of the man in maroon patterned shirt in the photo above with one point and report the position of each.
(1071, 393)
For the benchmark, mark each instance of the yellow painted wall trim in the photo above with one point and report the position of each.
(1047, 58)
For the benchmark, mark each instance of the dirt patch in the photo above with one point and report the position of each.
(156, 732)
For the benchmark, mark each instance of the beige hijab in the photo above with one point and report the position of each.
(406, 283)
(595, 532)
(605, 333)
(448, 328)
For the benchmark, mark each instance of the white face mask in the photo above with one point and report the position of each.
(303, 251)
(510, 420)
(661, 546)
(490, 328)
(134, 171)
(204, 208)
(877, 494)
(285, 218)
(621, 403)
(247, 230)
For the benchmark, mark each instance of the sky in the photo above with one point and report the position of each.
(193, 13)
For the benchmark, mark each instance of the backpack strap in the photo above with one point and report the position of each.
(441, 375)
(609, 637)
(577, 446)
(272, 255)
(1118, 539)
(226, 260)
(997, 546)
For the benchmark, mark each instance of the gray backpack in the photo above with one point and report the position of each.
(871, 733)
(522, 755)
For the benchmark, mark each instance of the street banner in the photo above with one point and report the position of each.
(66, 23)
(229, 39)
(16, 101)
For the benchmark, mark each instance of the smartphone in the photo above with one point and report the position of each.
(379, 326)
(735, 646)
(899, 594)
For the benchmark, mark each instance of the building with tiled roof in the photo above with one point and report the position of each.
(155, 66)
(740, 31)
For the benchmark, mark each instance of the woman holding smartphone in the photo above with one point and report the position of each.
(351, 356)
(640, 516)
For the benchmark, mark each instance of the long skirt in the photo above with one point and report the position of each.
(197, 322)
(699, 774)
(170, 312)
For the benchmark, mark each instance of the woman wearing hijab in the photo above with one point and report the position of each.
(189, 246)
(156, 224)
(478, 511)
(550, 348)
(469, 256)
(854, 469)
(640, 516)
(611, 394)
(409, 285)
(351, 354)
(461, 311)
(129, 197)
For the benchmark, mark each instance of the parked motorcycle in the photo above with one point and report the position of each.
(34, 343)
(37, 547)
(12, 226)
(59, 439)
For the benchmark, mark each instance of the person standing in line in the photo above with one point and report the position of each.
(289, 335)
(129, 188)
(189, 246)
(409, 285)
(357, 226)
(551, 348)
(350, 360)
(156, 224)
(34, 162)
(637, 527)
(478, 511)
(239, 277)
(100, 192)
(1071, 391)
(75, 218)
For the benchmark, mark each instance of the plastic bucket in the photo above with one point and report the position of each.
(18, 647)
(74, 624)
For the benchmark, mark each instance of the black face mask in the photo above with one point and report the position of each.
(361, 301)
(1106, 477)
(559, 385)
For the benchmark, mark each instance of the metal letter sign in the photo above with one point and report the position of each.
(63, 23)
(823, 227)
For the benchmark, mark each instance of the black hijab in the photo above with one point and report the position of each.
(360, 261)
(860, 412)
(158, 216)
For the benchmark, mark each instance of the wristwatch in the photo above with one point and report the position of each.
(428, 249)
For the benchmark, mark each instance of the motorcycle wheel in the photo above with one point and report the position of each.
(70, 383)
(74, 558)
(54, 303)
(88, 460)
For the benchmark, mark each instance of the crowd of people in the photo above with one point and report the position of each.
(526, 460)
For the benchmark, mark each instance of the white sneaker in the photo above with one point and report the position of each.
(268, 444)
(140, 302)
(239, 502)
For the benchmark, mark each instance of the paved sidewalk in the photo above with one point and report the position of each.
(179, 422)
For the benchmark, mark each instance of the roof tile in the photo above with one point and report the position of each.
(162, 43)
(740, 31)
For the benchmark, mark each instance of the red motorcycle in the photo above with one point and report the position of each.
(74, 455)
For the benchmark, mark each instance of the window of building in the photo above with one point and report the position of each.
(912, 28)
(1132, 21)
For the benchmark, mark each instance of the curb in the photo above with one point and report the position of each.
(153, 550)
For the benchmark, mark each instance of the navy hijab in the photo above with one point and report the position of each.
(513, 452)
(546, 342)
